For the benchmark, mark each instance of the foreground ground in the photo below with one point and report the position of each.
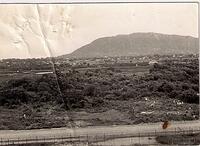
(186, 139)
(113, 113)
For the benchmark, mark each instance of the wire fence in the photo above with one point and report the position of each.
(102, 139)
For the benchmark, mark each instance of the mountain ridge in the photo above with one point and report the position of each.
(137, 44)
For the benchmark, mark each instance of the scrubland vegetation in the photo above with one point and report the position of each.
(90, 88)
(97, 89)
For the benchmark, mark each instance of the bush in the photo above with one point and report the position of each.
(166, 87)
(43, 86)
(90, 91)
(129, 94)
(74, 99)
(189, 96)
(14, 96)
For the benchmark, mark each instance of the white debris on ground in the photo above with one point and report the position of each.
(178, 102)
(147, 112)
(152, 104)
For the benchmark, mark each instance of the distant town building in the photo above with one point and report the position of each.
(152, 62)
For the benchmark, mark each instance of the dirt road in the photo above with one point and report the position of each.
(134, 130)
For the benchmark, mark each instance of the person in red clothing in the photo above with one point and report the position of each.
(165, 124)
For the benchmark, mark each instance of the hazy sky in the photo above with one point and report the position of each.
(29, 30)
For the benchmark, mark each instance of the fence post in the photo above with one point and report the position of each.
(70, 137)
(139, 137)
(104, 138)
(87, 138)
(194, 140)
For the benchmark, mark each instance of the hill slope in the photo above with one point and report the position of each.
(137, 44)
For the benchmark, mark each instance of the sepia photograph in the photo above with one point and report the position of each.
(99, 74)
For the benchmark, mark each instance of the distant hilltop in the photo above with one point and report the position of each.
(137, 44)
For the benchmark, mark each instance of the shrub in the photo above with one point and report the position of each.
(74, 99)
(14, 96)
(189, 96)
(129, 94)
(90, 91)
(166, 87)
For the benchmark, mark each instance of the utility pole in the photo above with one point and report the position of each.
(199, 102)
